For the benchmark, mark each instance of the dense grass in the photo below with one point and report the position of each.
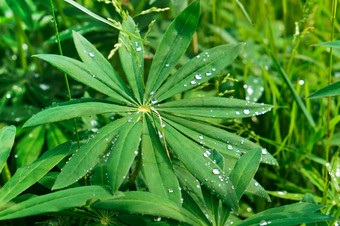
(280, 66)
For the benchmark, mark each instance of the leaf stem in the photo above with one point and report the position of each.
(65, 75)
(324, 198)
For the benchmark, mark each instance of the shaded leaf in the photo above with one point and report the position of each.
(56, 201)
(147, 203)
(26, 176)
(7, 136)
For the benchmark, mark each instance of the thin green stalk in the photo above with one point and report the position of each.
(324, 198)
(65, 75)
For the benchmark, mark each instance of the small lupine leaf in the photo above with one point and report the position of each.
(7, 136)
(328, 91)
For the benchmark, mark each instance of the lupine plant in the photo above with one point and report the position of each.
(164, 156)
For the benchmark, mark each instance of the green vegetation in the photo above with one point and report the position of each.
(169, 112)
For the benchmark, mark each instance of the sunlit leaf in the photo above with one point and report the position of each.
(331, 90)
(7, 135)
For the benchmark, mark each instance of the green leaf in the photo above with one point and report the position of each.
(89, 154)
(199, 70)
(212, 137)
(293, 214)
(56, 201)
(123, 154)
(100, 66)
(82, 73)
(333, 44)
(245, 170)
(132, 58)
(214, 107)
(331, 90)
(26, 176)
(30, 146)
(158, 172)
(7, 136)
(73, 109)
(173, 45)
(253, 88)
(55, 136)
(203, 168)
(150, 204)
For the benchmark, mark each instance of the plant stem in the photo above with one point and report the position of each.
(324, 198)
(65, 75)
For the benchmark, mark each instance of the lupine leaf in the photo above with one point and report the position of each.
(203, 168)
(158, 172)
(173, 45)
(26, 176)
(80, 72)
(150, 204)
(7, 136)
(100, 66)
(123, 154)
(198, 70)
(56, 202)
(132, 59)
(333, 44)
(89, 154)
(73, 109)
(214, 107)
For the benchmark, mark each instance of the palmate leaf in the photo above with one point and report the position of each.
(150, 204)
(82, 73)
(123, 154)
(203, 168)
(132, 58)
(214, 107)
(75, 108)
(100, 66)
(328, 91)
(173, 45)
(56, 202)
(198, 70)
(26, 176)
(293, 214)
(90, 153)
(158, 172)
(7, 136)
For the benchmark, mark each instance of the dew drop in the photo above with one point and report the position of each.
(256, 184)
(208, 73)
(91, 54)
(138, 49)
(207, 153)
(238, 113)
(201, 137)
(171, 190)
(8, 95)
(167, 65)
(216, 171)
(198, 76)
(246, 111)
(230, 147)
(193, 82)
(264, 151)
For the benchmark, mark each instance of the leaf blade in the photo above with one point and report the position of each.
(330, 90)
(7, 136)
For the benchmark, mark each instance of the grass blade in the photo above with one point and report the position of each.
(158, 172)
(73, 109)
(123, 154)
(7, 136)
(331, 90)
(173, 45)
(56, 201)
(26, 176)
(198, 70)
(150, 204)
(332, 44)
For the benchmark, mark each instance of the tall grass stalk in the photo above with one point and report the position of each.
(65, 75)
(324, 198)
